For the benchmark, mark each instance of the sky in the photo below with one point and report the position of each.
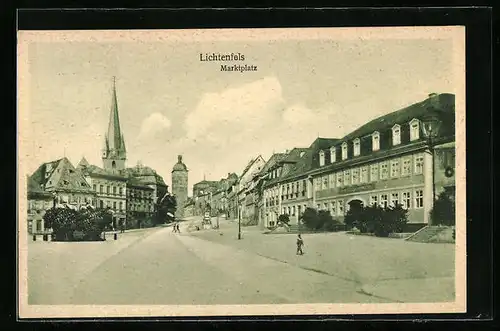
(171, 103)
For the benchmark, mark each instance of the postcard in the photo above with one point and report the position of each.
(241, 172)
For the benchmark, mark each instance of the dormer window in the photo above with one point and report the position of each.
(375, 141)
(356, 145)
(333, 155)
(414, 129)
(344, 151)
(321, 158)
(396, 135)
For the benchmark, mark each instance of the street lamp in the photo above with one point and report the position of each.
(239, 222)
(431, 125)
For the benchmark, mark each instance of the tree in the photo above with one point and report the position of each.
(444, 210)
(166, 205)
(355, 218)
(62, 221)
(310, 219)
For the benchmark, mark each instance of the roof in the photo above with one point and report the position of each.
(146, 174)
(250, 163)
(60, 175)
(95, 170)
(443, 101)
(179, 166)
(35, 189)
(137, 182)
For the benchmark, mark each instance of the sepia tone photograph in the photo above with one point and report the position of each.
(241, 172)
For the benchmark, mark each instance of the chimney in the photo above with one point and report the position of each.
(179, 158)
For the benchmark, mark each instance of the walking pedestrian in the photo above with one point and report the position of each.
(300, 243)
(174, 228)
(178, 230)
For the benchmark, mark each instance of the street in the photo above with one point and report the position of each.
(156, 266)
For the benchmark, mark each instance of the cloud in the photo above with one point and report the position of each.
(153, 124)
(234, 109)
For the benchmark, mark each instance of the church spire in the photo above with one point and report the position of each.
(114, 145)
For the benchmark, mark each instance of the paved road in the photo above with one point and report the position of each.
(167, 268)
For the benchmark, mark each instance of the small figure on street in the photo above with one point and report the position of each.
(178, 230)
(174, 228)
(122, 227)
(300, 243)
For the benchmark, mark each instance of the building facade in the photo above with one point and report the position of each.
(110, 187)
(140, 203)
(388, 161)
(39, 201)
(180, 186)
(64, 184)
(247, 197)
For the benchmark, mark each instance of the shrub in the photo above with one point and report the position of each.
(283, 219)
(310, 218)
(443, 212)
(378, 220)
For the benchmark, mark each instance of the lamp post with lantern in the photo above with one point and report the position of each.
(431, 125)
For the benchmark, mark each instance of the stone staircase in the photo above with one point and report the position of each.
(428, 234)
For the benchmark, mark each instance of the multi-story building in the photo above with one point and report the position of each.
(140, 203)
(246, 194)
(288, 188)
(180, 186)
(39, 201)
(388, 161)
(64, 183)
(110, 187)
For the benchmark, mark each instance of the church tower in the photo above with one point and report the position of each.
(114, 153)
(180, 186)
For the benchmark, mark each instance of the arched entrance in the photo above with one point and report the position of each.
(355, 204)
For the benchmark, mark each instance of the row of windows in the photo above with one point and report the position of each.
(337, 207)
(398, 167)
(396, 140)
(109, 189)
(114, 205)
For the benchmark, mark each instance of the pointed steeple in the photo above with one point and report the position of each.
(114, 152)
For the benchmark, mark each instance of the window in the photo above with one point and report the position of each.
(101, 204)
(364, 175)
(321, 158)
(121, 205)
(331, 179)
(419, 164)
(373, 200)
(414, 130)
(374, 172)
(114, 190)
(396, 135)
(406, 167)
(383, 200)
(394, 168)
(94, 187)
(289, 210)
(325, 206)
(333, 155)
(293, 211)
(107, 189)
(384, 172)
(340, 207)
(304, 187)
(120, 191)
(375, 141)
(406, 200)
(299, 210)
(356, 146)
(347, 177)
(340, 179)
(325, 182)
(344, 151)
(394, 199)
(317, 182)
(419, 198)
(114, 205)
(355, 176)
(333, 208)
